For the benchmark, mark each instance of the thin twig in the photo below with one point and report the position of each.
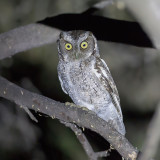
(152, 138)
(102, 154)
(30, 114)
(85, 143)
(68, 113)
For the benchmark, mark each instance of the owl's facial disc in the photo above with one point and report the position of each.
(76, 45)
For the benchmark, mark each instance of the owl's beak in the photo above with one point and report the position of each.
(76, 55)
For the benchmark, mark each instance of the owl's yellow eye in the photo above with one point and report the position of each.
(84, 45)
(68, 46)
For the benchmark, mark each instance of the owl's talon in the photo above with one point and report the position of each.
(85, 109)
(111, 147)
(72, 104)
(67, 103)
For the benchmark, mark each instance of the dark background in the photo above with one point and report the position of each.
(134, 69)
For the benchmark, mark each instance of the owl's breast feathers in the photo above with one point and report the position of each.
(80, 76)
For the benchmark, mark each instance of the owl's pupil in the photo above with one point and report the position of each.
(84, 45)
(68, 46)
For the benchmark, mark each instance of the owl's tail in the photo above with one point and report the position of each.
(111, 115)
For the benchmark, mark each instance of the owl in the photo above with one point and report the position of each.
(85, 77)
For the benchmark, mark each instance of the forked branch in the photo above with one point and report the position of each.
(69, 114)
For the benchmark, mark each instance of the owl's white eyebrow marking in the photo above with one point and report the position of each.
(81, 39)
(68, 38)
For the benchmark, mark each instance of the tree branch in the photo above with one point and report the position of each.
(68, 113)
(26, 37)
(85, 143)
(152, 138)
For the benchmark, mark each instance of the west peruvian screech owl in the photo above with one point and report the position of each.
(85, 77)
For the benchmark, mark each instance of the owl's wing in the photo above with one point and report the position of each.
(62, 85)
(107, 80)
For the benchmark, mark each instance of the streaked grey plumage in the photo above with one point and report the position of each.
(86, 77)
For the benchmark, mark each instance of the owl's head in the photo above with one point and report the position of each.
(77, 45)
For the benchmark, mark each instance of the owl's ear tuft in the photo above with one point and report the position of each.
(96, 50)
(61, 35)
(57, 41)
(90, 33)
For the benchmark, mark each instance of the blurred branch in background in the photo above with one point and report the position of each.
(147, 12)
(70, 114)
(151, 143)
(98, 6)
(26, 37)
(47, 31)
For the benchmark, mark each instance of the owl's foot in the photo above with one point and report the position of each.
(70, 104)
(111, 147)
(74, 105)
